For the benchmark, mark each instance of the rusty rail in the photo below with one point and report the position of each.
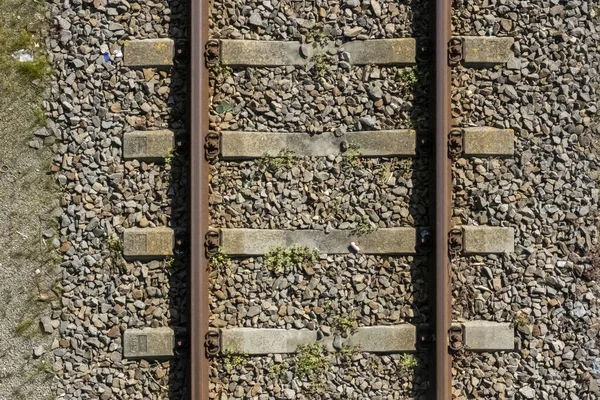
(199, 102)
(443, 201)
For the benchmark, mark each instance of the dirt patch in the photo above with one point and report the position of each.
(28, 263)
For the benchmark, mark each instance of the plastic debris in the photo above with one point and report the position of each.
(23, 55)
(355, 247)
(117, 53)
(106, 56)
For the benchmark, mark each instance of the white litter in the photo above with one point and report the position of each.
(355, 247)
(23, 55)
(117, 53)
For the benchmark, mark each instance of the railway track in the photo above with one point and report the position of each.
(304, 285)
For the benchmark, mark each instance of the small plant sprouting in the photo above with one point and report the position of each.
(281, 260)
(276, 370)
(169, 157)
(311, 362)
(224, 107)
(285, 159)
(521, 320)
(408, 364)
(364, 226)
(353, 154)
(408, 75)
(219, 261)
(169, 262)
(320, 62)
(24, 327)
(344, 325)
(233, 360)
(347, 351)
(221, 70)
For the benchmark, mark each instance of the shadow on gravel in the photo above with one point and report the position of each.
(179, 385)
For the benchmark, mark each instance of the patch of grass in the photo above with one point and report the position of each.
(39, 115)
(32, 70)
(311, 362)
(224, 107)
(281, 260)
(26, 327)
(233, 361)
(45, 368)
(285, 159)
(408, 364)
(317, 33)
(364, 226)
(344, 325)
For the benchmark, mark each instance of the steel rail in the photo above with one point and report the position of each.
(198, 113)
(443, 199)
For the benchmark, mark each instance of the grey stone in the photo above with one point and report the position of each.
(237, 242)
(148, 53)
(242, 145)
(148, 343)
(148, 145)
(488, 239)
(488, 336)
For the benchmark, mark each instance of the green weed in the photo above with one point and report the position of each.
(353, 154)
(169, 158)
(364, 226)
(408, 364)
(311, 362)
(408, 75)
(344, 325)
(233, 361)
(281, 260)
(285, 159)
(224, 107)
(321, 62)
(219, 261)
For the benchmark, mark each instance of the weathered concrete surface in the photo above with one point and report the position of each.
(488, 239)
(486, 141)
(489, 336)
(264, 53)
(401, 51)
(147, 145)
(486, 50)
(373, 339)
(261, 53)
(148, 53)
(253, 341)
(151, 343)
(242, 145)
(145, 243)
(384, 339)
(238, 242)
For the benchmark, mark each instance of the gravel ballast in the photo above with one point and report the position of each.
(548, 193)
